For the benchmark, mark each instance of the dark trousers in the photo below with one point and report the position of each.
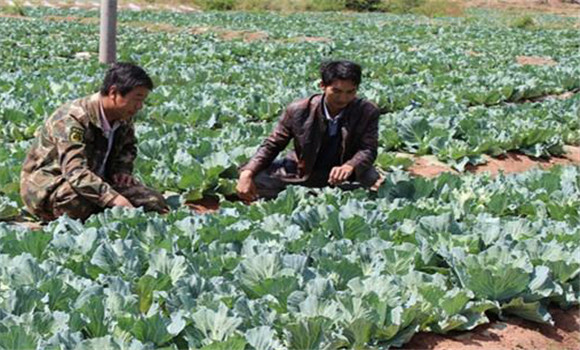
(270, 182)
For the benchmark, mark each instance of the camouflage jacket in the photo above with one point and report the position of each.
(71, 146)
(303, 122)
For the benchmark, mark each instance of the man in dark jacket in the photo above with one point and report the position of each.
(81, 160)
(335, 138)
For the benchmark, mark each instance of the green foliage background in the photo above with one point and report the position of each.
(317, 269)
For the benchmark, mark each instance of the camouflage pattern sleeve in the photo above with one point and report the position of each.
(68, 135)
(125, 151)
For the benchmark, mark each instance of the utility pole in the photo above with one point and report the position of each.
(108, 41)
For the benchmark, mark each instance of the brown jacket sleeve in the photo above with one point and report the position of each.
(122, 160)
(68, 136)
(364, 158)
(272, 145)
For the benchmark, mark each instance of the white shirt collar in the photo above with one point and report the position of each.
(104, 122)
(327, 113)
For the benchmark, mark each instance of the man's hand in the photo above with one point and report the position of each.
(124, 180)
(120, 201)
(246, 188)
(340, 174)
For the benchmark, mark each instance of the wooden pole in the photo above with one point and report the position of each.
(108, 41)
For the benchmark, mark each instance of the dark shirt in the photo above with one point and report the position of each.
(329, 153)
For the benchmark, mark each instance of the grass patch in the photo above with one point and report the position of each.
(440, 8)
(524, 22)
(430, 8)
(290, 5)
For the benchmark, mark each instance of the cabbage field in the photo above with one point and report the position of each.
(312, 269)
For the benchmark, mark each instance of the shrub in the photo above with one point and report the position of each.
(363, 5)
(273, 5)
(217, 5)
(431, 8)
(400, 6)
(327, 5)
(524, 22)
(439, 8)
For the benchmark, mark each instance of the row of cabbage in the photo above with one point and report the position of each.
(216, 99)
(319, 269)
(189, 160)
(408, 61)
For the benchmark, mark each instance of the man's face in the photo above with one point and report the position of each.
(127, 106)
(339, 94)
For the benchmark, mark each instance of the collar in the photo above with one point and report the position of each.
(93, 105)
(106, 126)
(104, 121)
(327, 113)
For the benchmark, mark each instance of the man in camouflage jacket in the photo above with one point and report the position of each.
(335, 136)
(81, 160)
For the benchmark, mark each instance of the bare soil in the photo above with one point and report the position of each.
(205, 205)
(512, 162)
(310, 39)
(429, 166)
(535, 61)
(512, 334)
(133, 5)
(154, 27)
(227, 34)
(515, 162)
(563, 96)
(473, 53)
(546, 6)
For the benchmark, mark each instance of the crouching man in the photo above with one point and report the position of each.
(335, 136)
(81, 160)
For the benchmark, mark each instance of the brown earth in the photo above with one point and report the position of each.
(227, 34)
(512, 162)
(83, 20)
(7, 15)
(563, 96)
(514, 333)
(515, 162)
(206, 205)
(535, 61)
(429, 166)
(546, 6)
(153, 27)
(251, 36)
(473, 53)
(310, 39)
(245, 35)
(133, 5)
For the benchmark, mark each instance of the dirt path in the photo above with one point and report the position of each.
(546, 6)
(512, 162)
(513, 334)
(557, 7)
(138, 5)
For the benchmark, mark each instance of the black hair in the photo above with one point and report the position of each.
(341, 70)
(125, 76)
